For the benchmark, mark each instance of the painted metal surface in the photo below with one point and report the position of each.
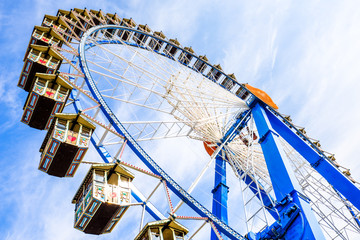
(220, 192)
(317, 160)
(283, 178)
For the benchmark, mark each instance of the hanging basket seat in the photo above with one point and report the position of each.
(103, 198)
(47, 97)
(65, 144)
(40, 59)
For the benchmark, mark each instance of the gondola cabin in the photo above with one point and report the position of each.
(102, 199)
(83, 16)
(98, 17)
(200, 63)
(112, 19)
(40, 59)
(214, 73)
(156, 44)
(44, 36)
(69, 19)
(228, 82)
(79, 25)
(242, 93)
(47, 97)
(53, 22)
(186, 56)
(57, 24)
(62, 12)
(124, 34)
(140, 38)
(162, 230)
(170, 49)
(65, 144)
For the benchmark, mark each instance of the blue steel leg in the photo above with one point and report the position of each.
(284, 181)
(317, 160)
(220, 193)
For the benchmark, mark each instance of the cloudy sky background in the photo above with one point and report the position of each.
(305, 54)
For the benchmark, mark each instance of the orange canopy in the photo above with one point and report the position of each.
(263, 96)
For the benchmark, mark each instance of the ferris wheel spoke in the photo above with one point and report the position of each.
(161, 102)
(246, 160)
(260, 188)
(157, 77)
(148, 205)
(145, 131)
(124, 80)
(68, 22)
(146, 63)
(147, 58)
(243, 159)
(156, 108)
(166, 193)
(80, 88)
(146, 200)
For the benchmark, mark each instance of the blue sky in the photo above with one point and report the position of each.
(305, 54)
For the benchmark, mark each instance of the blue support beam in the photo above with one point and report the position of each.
(318, 161)
(220, 193)
(283, 180)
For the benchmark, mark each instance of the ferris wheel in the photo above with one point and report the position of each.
(159, 115)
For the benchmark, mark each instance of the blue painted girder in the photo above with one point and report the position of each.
(283, 178)
(220, 192)
(319, 162)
